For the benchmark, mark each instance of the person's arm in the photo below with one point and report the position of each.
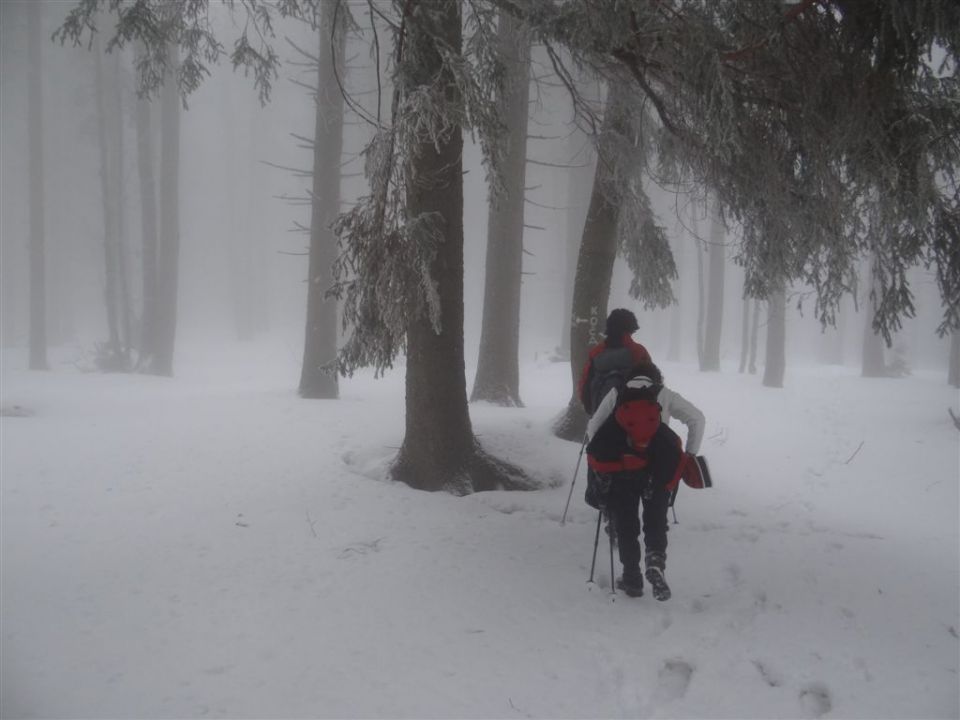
(691, 416)
(604, 409)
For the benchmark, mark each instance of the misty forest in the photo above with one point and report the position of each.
(272, 269)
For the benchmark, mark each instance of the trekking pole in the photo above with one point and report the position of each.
(613, 582)
(673, 499)
(596, 543)
(563, 520)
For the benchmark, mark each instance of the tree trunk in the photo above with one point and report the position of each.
(754, 331)
(676, 312)
(439, 451)
(872, 360)
(498, 372)
(168, 250)
(953, 368)
(598, 250)
(701, 287)
(579, 181)
(123, 280)
(318, 378)
(776, 359)
(714, 319)
(111, 358)
(38, 282)
(146, 153)
(745, 336)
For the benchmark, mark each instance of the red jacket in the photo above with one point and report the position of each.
(638, 353)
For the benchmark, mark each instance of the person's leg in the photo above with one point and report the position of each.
(655, 525)
(624, 511)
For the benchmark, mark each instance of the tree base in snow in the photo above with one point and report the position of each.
(480, 472)
(571, 424)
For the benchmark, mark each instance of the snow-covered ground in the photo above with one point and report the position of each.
(214, 546)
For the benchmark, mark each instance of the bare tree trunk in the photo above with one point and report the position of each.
(498, 371)
(674, 347)
(38, 282)
(168, 250)
(579, 181)
(317, 377)
(775, 365)
(953, 368)
(598, 250)
(439, 451)
(714, 311)
(754, 331)
(745, 333)
(146, 153)
(112, 356)
(123, 284)
(873, 363)
(701, 288)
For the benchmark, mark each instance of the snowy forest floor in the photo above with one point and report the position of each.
(213, 546)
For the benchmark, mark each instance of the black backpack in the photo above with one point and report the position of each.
(609, 369)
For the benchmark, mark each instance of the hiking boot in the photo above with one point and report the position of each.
(661, 591)
(632, 585)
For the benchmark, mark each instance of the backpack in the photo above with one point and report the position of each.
(608, 369)
(632, 424)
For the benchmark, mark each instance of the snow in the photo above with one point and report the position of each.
(213, 546)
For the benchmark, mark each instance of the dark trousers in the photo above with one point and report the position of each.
(628, 490)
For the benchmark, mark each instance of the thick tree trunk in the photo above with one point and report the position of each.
(775, 364)
(598, 250)
(318, 378)
(714, 312)
(439, 451)
(168, 250)
(498, 372)
(146, 153)
(38, 282)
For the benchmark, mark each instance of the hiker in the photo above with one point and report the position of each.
(618, 351)
(637, 459)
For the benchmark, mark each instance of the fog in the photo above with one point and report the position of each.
(243, 259)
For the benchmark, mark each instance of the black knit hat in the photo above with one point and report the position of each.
(621, 321)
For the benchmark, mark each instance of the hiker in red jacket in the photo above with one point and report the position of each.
(617, 352)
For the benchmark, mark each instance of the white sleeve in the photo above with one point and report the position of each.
(601, 414)
(691, 416)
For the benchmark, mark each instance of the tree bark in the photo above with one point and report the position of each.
(38, 281)
(701, 288)
(676, 312)
(598, 250)
(714, 312)
(498, 371)
(439, 451)
(318, 378)
(776, 359)
(168, 250)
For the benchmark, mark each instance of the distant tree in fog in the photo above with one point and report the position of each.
(318, 375)
(953, 371)
(164, 324)
(498, 364)
(38, 282)
(775, 364)
(717, 252)
(114, 354)
(147, 145)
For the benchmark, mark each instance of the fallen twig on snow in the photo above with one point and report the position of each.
(847, 461)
